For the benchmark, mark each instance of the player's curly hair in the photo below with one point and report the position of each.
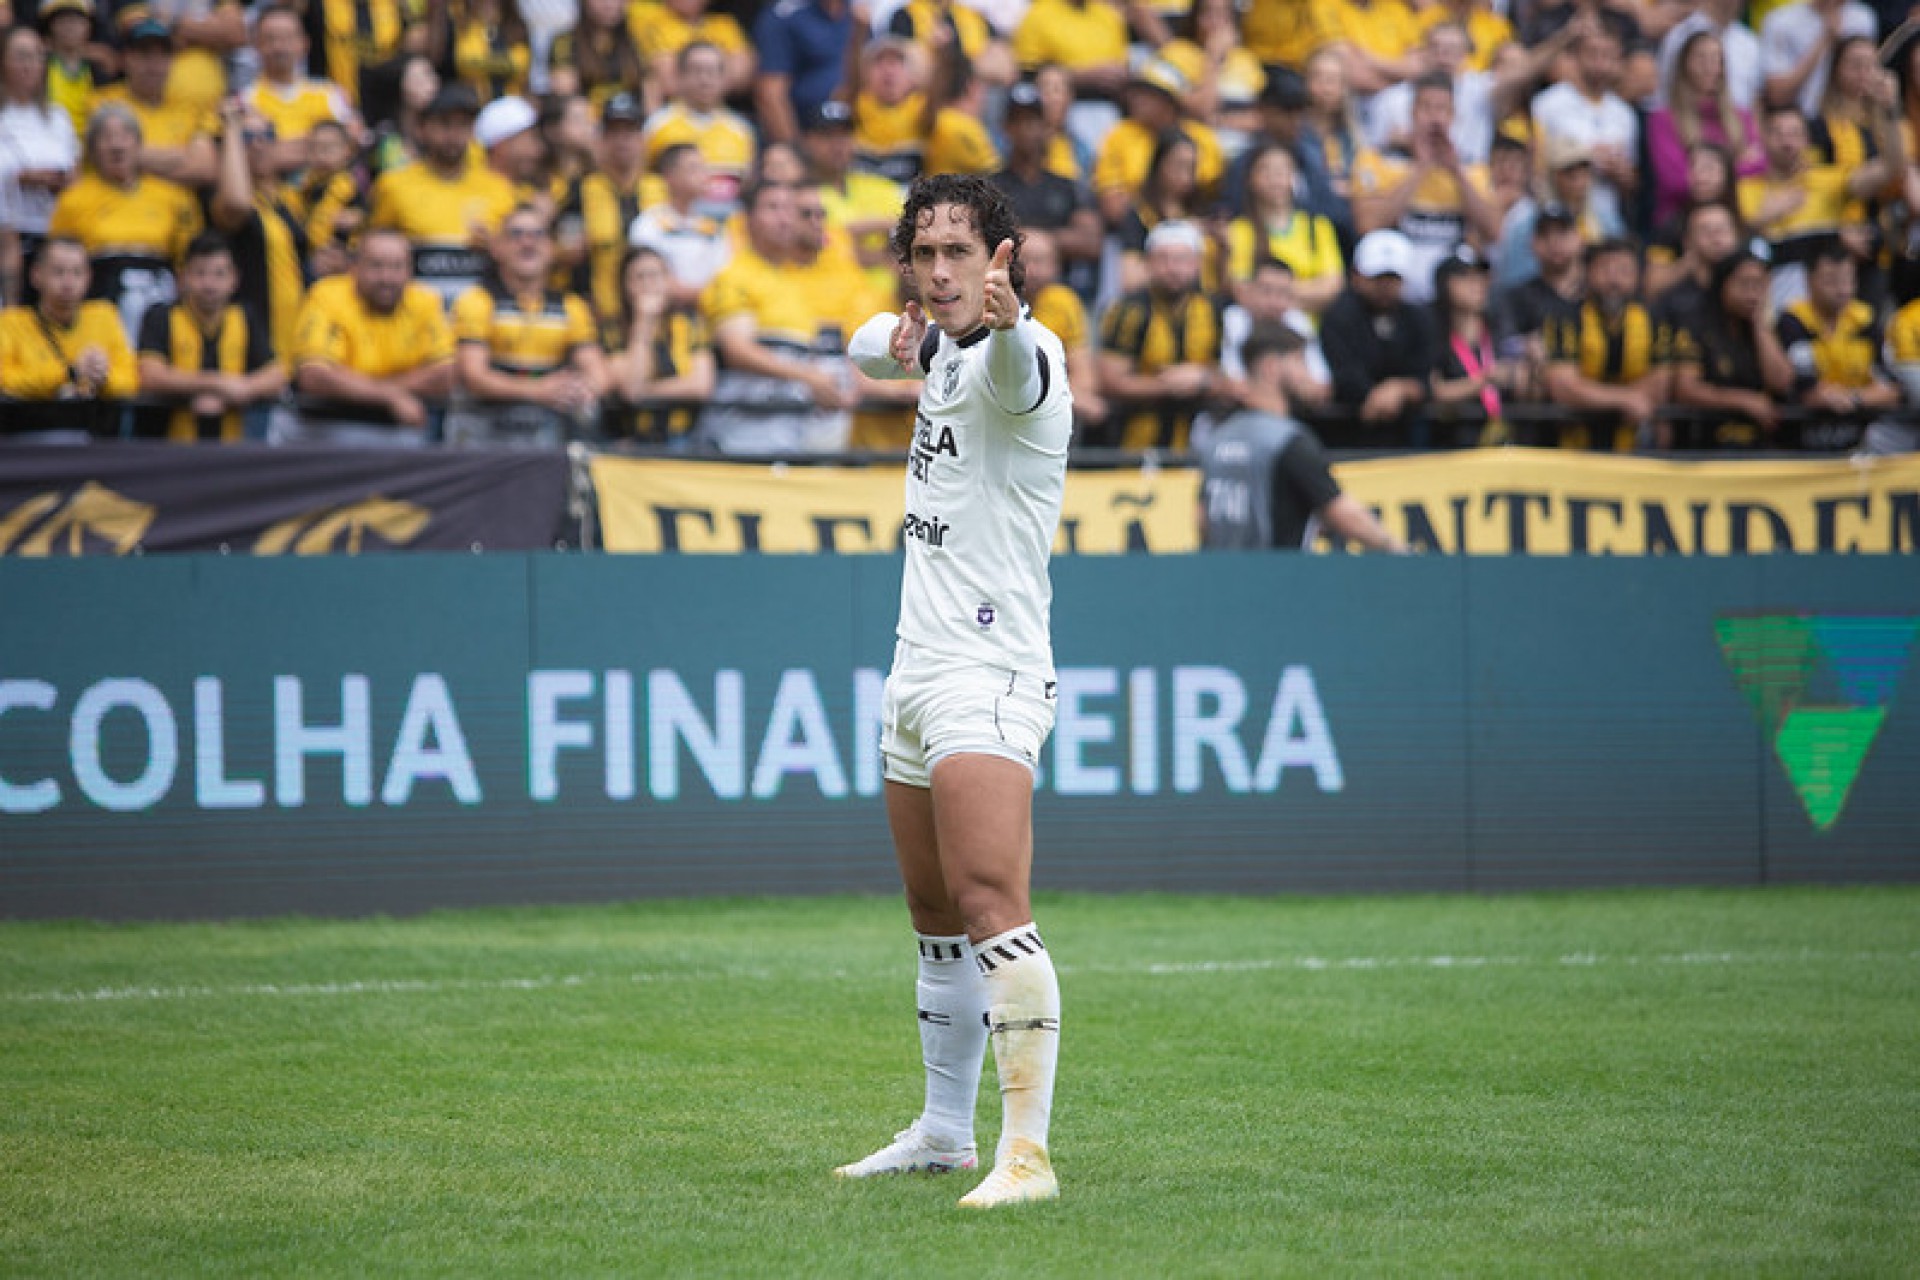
(987, 204)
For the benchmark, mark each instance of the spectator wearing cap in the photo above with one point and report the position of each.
(1160, 344)
(176, 133)
(698, 114)
(1567, 182)
(1524, 314)
(373, 352)
(1585, 109)
(1379, 347)
(134, 225)
(1601, 359)
(1800, 207)
(599, 211)
(443, 203)
(71, 73)
(63, 347)
(206, 354)
(39, 152)
(1432, 196)
(861, 207)
(492, 52)
(292, 101)
(264, 222)
(1153, 108)
(664, 29)
(694, 244)
(804, 47)
(1471, 383)
(1272, 225)
(507, 131)
(1042, 198)
(1224, 79)
(602, 59)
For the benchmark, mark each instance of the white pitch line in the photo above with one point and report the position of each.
(1299, 964)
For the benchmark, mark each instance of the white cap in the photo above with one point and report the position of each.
(1383, 253)
(1175, 232)
(503, 118)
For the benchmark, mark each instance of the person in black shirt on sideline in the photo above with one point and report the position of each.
(1265, 483)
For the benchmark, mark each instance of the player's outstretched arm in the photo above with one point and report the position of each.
(887, 347)
(1017, 372)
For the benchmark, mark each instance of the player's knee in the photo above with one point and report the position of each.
(987, 907)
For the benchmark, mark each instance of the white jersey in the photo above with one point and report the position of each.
(984, 485)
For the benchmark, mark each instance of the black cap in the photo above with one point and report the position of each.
(140, 25)
(1554, 216)
(623, 108)
(1023, 96)
(1285, 90)
(454, 100)
(1463, 259)
(831, 114)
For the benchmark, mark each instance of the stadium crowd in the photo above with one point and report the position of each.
(1602, 224)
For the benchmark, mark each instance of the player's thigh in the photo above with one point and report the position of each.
(983, 822)
(916, 846)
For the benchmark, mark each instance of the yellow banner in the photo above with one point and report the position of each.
(1481, 502)
(1551, 502)
(653, 505)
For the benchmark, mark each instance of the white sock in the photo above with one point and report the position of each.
(1023, 999)
(953, 1037)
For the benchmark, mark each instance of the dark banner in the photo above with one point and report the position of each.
(129, 498)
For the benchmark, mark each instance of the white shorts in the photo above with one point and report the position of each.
(935, 706)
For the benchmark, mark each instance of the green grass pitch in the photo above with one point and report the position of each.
(1672, 1083)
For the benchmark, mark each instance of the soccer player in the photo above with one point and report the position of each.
(970, 699)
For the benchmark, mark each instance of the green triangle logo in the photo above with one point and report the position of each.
(1780, 662)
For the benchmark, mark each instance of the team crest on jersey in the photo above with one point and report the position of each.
(952, 381)
(984, 616)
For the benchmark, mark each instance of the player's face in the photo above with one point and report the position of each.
(948, 260)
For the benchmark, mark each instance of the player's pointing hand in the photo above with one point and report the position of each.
(908, 335)
(1002, 304)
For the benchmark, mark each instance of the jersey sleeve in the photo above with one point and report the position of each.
(156, 337)
(473, 316)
